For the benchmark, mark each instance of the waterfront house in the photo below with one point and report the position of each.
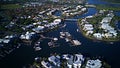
(9, 37)
(88, 27)
(57, 21)
(113, 32)
(93, 64)
(27, 36)
(101, 12)
(38, 23)
(70, 62)
(106, 19)
(6, 41)
(34, 24)
(110, 15)
(83, 9)
(105, 25)
(79, 7)
(55, 60)
(89, 32)
(78, 60)
(29, 26)
(42, 12)
(89, 17)
(84, 21)
(1, 40)
(67, 56)
(97, 35)
(38, 29)
(110, 30)
(46, 64)
(69, 59)
(108, 35)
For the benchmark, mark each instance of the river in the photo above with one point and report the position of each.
(26, 54)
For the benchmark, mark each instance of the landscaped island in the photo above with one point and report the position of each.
(101, 26)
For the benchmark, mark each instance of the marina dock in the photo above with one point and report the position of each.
(69, 38)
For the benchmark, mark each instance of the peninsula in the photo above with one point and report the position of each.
(101, 26)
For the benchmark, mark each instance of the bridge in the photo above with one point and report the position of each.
(71, 19)
(92, 6)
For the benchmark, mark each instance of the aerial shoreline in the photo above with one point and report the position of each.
(93, 38)
(36, 29)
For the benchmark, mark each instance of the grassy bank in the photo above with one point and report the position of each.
(106, 7)
(10, 6)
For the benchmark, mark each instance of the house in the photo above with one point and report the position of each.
(88, 27)
(79, 7)
(38, 23)
(110, 30)
(27, 36)
(57, 21)
(55, 60)
(6, 41)
(106, 19)
(46, 64)
(84, 21)
(89, 32)
(89, 17)
(67, 56)
(34, 24)
(105, 25)
(54, 0)
(29, 26)
(9, 37)
(83, 9)
(70, 62)
(108, 35)
(110, 15)
(78, 60)
(114, 32)
(101, 11)
(93, 64)
(97, 35)
(1, 40)
(69, 59)
(38, 29)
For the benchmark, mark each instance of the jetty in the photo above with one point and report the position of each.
(69, 38)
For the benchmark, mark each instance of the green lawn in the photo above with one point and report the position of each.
(99, 7)
(10, 6)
